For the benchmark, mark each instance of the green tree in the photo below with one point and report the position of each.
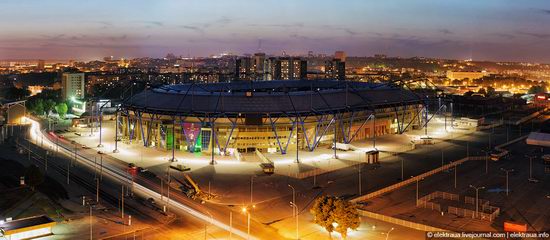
(61, 109)
(322, 211)
(35, 105)
(346, 217)
(33, 176)
(536, 89)
(49, 105)
(333, 213)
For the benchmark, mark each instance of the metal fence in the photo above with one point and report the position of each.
(401, 222)
(412, 180)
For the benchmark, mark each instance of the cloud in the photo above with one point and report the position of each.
(545, 11)
(445, 31)
(536, 35)
(150, 24)
(504, 35)
(192, 28)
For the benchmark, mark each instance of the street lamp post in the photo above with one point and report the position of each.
(402, 166)
(359, 180)
(206, 225)
(116, 132)
(230, 225)
(251, 188)
(293, 198)
(456, 169)
(530, 166)
(295, 207)
(417, 190)
(477, 197)
(388, 233)
(507, 171)
(486, 160)
(244, 210)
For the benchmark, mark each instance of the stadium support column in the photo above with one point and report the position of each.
(173, 139)
(297, 140)
(426, 119)
(212, 160)
(374, 130)
(116, 131)
(335, 132)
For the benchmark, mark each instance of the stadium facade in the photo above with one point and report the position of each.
(269, 116)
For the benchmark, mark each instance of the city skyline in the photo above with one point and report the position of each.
(487, 30)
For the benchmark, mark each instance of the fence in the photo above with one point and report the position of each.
(411, 180)
(401, 222)
(319, 171)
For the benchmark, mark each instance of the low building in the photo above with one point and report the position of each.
(542, 99)
(456, 75)
(13, 112)
(27, 228)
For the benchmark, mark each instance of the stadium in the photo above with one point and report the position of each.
(268, 116)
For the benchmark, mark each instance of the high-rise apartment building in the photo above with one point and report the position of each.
(335, 69)
(73, 85)
(289, 68)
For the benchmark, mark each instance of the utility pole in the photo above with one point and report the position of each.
(442, 158)
(68, 170)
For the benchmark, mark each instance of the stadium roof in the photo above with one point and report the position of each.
(269, 97)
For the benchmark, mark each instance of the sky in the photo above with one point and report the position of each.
(500, 30)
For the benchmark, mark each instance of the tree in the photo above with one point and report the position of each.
(490, 91)
(35, 105)
(14, 93)
(346, 216)
(61, 109)
(322, 211)
(482, 91)
(49, 105)
(333, 213)
(536, 89)
(33, 176)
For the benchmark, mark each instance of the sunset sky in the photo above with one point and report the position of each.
(85, 30)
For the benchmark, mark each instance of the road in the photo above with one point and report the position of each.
(178, 202)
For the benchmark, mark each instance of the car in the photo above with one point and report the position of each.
(533, 180)
(132, 166)
(85, 147)
(99, 152)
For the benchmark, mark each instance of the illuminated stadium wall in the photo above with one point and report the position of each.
(240, 125)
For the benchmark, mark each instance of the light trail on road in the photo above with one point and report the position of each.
(36, 134)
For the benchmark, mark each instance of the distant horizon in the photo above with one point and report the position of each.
(269, 54)
(490, 30)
